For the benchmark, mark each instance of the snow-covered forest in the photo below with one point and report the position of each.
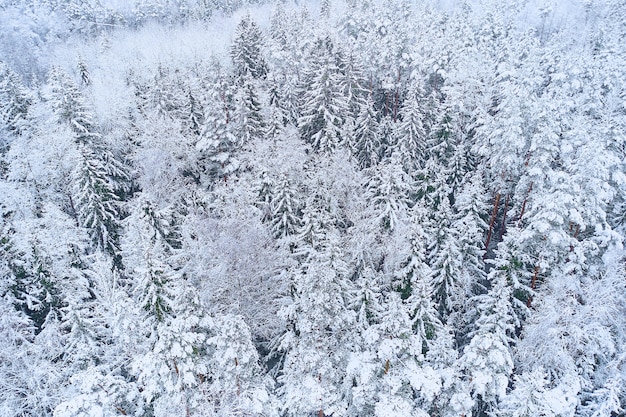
(329, 208)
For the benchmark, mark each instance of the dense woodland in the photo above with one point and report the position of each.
(354, 208)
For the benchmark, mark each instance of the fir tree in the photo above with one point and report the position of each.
(410, 132)
(248, 120)
(245, 50)
(367, 145)
(388, 191)
(96, 201)
(14, 101)
(217, 143)
(317, 344)
(284, 206)
(487, 360)
(324, 106)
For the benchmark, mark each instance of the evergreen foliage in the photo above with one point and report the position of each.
(377, 208)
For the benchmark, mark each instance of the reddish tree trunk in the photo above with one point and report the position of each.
(506, 206)
(494, 214)
(521, 214)
(533, 285)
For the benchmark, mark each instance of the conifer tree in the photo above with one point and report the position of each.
(194, 113)
(388, 191)
(278, 118)
(99, 179)
(325, 9)
(487, 360)
(218, 143)
(264, 189)
(324, 105)
(27, 378)
(365, 367)
(284, 206)
(248, 119)
(171, 367)
(278, 23)
(290, 100)
(367, 144)
(83, 71)
(96, 201)
(69, 104)
(245, 50)
(449, 290)
(528, 398)
(14, 101)
(317, 344)
(410, 133)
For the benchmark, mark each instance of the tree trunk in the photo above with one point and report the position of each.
(533, 285)
(521, 214)
(494, 214)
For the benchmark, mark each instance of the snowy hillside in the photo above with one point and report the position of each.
(337, 208)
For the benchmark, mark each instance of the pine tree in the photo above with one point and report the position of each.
(146, 249)
(284, 206)
(245, 50)
(364, 367)
(277, 114)
(99, 179)
(442, 139)
(33, 290)
(447, 267)
(83, 71)
(324, 105)
(316, 221)
(278, 23)
(387, 135)
(400, 355)
(165, 93)
(101, 394)
(487, 360)
(238, 386)
(388, 192)
(217, 143)
(69, 105)
(248, 119)
(367, 145)
(469, 227)
(96, 201)
(325, 9)
(317, 344)
(416, 288)
(147, 10)
(172, 365)
(528, 398)
(264, 190)
(410, 133)
(194, 114)
(14, 101)
(21, 362)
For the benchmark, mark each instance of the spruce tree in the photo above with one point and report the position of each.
(487, 360)
(246, 51)
(317, 343)
(14, 101)
(248, 121)
(96, 201)
(285, 211)
(324, 105)
(411, 133)
(218, 142)
(367, 144)
(388, 191)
